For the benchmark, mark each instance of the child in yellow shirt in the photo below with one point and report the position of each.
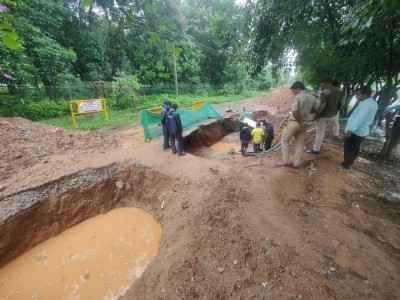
(258, 136)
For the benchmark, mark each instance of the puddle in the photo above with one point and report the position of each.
(99, 258)
(227, 143)
(224, 147)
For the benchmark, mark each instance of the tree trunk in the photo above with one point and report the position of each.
(12, 89)
(388, 135)
(393, 148)
(384, 99)
(50, 89)
(347, 90)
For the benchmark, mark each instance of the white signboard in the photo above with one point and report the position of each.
(90, 106)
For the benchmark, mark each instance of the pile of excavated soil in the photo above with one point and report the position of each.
(24, 143)
(237, 227)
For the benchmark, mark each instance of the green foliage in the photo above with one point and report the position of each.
(216, 28)
(70, 49)
(73, 88)
(52, 60)
(43, 58)
(235, 78)
(201, 93)
(10, 106)
(124, 92)
(92, 62)
(46, 109)
(8, 34)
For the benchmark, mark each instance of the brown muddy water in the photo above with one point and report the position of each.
(99, 258)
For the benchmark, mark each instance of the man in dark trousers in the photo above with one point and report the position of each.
(245, 138)
(358, 126)
(165, 109)
(269, 135)
(175, 130)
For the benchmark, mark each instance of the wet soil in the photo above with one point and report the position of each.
(234, 227)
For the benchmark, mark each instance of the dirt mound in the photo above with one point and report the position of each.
(234, 227)
(24, 143)
(279, 100)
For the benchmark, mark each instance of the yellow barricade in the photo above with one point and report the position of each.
(197, 104)
(155, 110)
(88, 106)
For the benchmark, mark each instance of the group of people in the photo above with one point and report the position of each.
(306, 107)
(172, 128)
(324, 109)
(262, 133)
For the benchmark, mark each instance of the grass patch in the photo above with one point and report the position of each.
(185, 101)
(96, 120)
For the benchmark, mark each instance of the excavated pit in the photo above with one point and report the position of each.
(35, 215)
(204, 136)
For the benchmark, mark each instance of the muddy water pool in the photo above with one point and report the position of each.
(99, 258)
(227, 143)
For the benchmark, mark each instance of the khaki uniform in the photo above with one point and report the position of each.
(302, 103)
(336, 120)
(332, 97)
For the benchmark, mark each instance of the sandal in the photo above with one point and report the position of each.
(312, 151)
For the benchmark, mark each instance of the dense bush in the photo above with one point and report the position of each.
(46, 109)
(124, 93)
(10, 106)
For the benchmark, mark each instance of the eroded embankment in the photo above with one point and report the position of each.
(207, 135)
(32, 216)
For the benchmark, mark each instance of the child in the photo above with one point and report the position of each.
(245, 138)
(258, 135)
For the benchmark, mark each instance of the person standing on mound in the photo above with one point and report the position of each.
(331, 103)
(358, 126)
(258, 136)
(165, 109)
(269, 135)
(303, 103)
(175, 129)
(245, 138)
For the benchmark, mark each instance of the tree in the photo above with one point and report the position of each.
(216, 30)
(42, 59)
(7, 31)
(375, 27)
(90, 45)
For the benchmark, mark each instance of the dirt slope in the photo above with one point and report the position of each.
(238, 227)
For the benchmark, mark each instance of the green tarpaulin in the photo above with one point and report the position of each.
(150, 120)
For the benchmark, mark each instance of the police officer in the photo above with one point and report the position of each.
(165, 109)
(331, 98)
(175, 130)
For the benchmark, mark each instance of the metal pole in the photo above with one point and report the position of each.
(175, 75)
(69, 90)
